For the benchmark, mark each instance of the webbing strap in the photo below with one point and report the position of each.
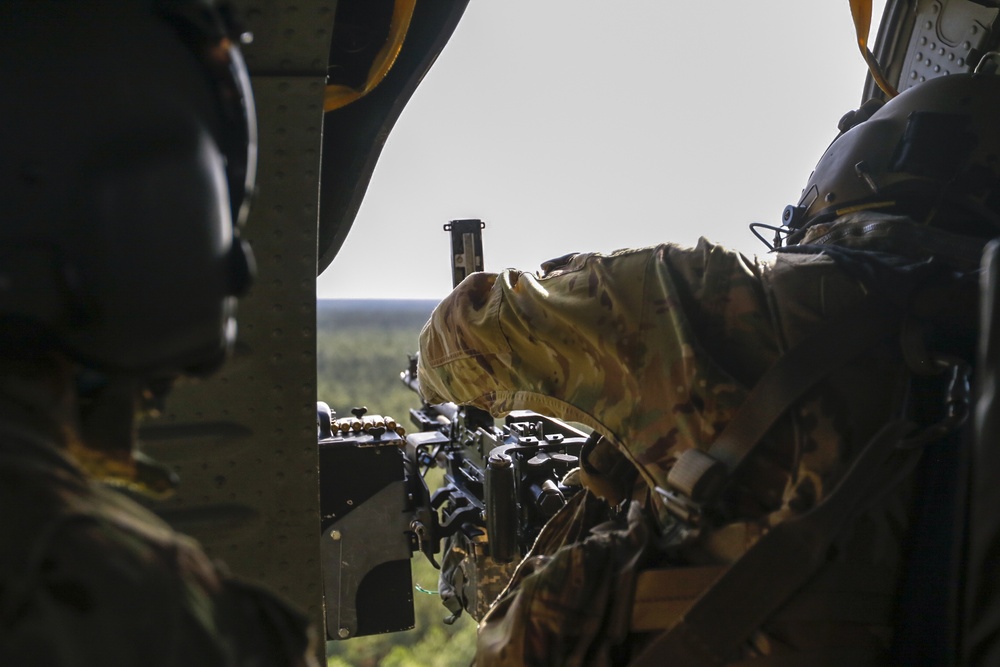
(841, 592)
(825, 658)
(776, 566)
(662, 595)
(861, 12)
(796, 371)
(842, 339)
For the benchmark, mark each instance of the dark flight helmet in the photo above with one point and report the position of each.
(127, 152)
(933, 149)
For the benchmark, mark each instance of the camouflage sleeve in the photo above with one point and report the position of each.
(93, 579)
(612, 341)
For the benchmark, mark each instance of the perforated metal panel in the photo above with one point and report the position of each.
(949, 37)
(244, 442)
(919, 40)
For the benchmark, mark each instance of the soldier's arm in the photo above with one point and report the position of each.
(627, 343)
(561, 343)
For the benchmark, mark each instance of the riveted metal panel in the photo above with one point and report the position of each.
(924, 39)
(244, 441)
(948, 37)
(291, 37)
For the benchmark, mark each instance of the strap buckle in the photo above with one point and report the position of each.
(956, 398)
(694, 482)
(682, 508)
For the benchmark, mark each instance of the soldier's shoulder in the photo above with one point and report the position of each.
(117, 585)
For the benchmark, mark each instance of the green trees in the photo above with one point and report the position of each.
(361, 349)
(430, 644)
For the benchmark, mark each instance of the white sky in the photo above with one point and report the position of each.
(576, 125)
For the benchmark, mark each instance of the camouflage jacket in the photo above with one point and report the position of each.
(655, 349)
(87, 577)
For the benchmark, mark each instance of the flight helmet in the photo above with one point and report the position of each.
(127, 157)
(931, 151)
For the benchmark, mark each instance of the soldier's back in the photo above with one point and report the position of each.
(88, 577)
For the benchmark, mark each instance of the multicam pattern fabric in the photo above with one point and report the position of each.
(585, 342)
(470, 580)
(558, 617)
(655, 349)
(87, 577)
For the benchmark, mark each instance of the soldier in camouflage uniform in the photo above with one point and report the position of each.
(656, 349)
(128, 147)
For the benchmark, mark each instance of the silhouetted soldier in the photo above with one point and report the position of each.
(127, 149)
(761, 421)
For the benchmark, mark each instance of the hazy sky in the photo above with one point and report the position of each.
(582, 125)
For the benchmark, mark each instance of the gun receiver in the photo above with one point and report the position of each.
(501, 484)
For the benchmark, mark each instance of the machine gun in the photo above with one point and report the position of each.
(500, 485)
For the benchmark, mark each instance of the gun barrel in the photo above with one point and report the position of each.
(501, 507)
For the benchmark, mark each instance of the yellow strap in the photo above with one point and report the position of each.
(337, 96)
(662, 596)
(861, 11)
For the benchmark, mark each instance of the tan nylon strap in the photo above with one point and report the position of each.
(753, 588)
(863, 594)
(697, 475)
(845, 337)
(824, 658)
(861, 12)
(663, 595)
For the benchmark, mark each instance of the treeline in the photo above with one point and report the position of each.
(361, 348)
(346, 314)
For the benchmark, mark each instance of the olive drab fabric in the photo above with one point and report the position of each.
(559, 617)
(470, 580)
(656, 348)
(87, 577)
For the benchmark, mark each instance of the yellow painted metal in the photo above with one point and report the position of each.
(338, 96)
(861, 11)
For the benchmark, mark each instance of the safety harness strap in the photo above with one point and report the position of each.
(701, 476)
(753, 588)
(840, 592)
(861, 12)
(662, 595)
(824, 658)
